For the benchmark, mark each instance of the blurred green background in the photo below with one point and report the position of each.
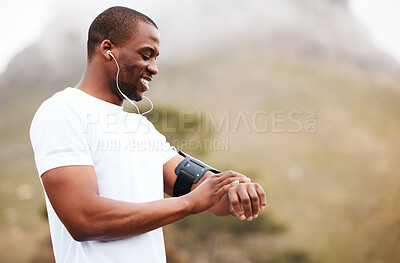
(296, 92)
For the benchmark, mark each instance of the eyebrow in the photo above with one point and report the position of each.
(148, 48)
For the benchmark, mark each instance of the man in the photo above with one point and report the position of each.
(104, 194)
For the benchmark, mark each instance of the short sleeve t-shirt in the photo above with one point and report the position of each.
(127, 153)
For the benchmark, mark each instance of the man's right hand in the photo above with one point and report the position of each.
(212, 189)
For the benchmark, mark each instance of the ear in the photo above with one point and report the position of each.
(104, 47)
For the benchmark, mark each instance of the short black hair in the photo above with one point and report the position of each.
(117, 24)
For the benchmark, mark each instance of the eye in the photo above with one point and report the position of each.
(145, 57)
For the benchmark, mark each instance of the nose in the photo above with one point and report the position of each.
(152, 67)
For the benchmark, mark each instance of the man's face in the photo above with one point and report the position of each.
(137, 60)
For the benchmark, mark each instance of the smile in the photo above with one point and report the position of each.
(145, 83)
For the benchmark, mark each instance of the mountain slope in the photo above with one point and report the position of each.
(322, 32)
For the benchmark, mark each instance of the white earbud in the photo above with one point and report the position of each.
(109, 52)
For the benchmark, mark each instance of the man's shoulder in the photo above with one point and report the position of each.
(64, 96)
(61, 105)
(62, 101)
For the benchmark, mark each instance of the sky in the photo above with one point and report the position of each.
(23, 22)
(381, 19)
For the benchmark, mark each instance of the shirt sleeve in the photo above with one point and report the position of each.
(166, 151)
(58, 136)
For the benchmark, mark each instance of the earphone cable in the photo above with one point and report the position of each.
(116, 82)
(151, 105)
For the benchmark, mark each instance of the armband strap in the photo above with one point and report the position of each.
(189, 172)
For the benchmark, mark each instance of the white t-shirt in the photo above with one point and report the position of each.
(127, 153)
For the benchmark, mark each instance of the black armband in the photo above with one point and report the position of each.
(189, 172)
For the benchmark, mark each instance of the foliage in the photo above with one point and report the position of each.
(290, 256)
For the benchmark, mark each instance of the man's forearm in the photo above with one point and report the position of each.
(89, 216)
(120, 220)
(109, 219)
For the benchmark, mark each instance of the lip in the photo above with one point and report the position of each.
(148, 78)
(145, 82)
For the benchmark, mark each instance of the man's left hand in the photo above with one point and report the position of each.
(246, 200)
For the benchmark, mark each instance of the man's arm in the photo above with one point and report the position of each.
(74, 195)
(244, 200)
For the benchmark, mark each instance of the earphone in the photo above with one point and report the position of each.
(126, 97)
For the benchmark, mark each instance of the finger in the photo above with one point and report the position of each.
(262, 196)
(234, 205)
(225, 187)
(228, 181)
(245, 201)
(233, 176)
(242, 178)
(245, 178)
(255, 200)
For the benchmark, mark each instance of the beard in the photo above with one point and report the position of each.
(129, 90)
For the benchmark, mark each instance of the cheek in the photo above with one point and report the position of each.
(129, 68)
(132, 71)
(134, 68)
(128, 75)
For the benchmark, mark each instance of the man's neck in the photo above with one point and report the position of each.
(96, 83)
